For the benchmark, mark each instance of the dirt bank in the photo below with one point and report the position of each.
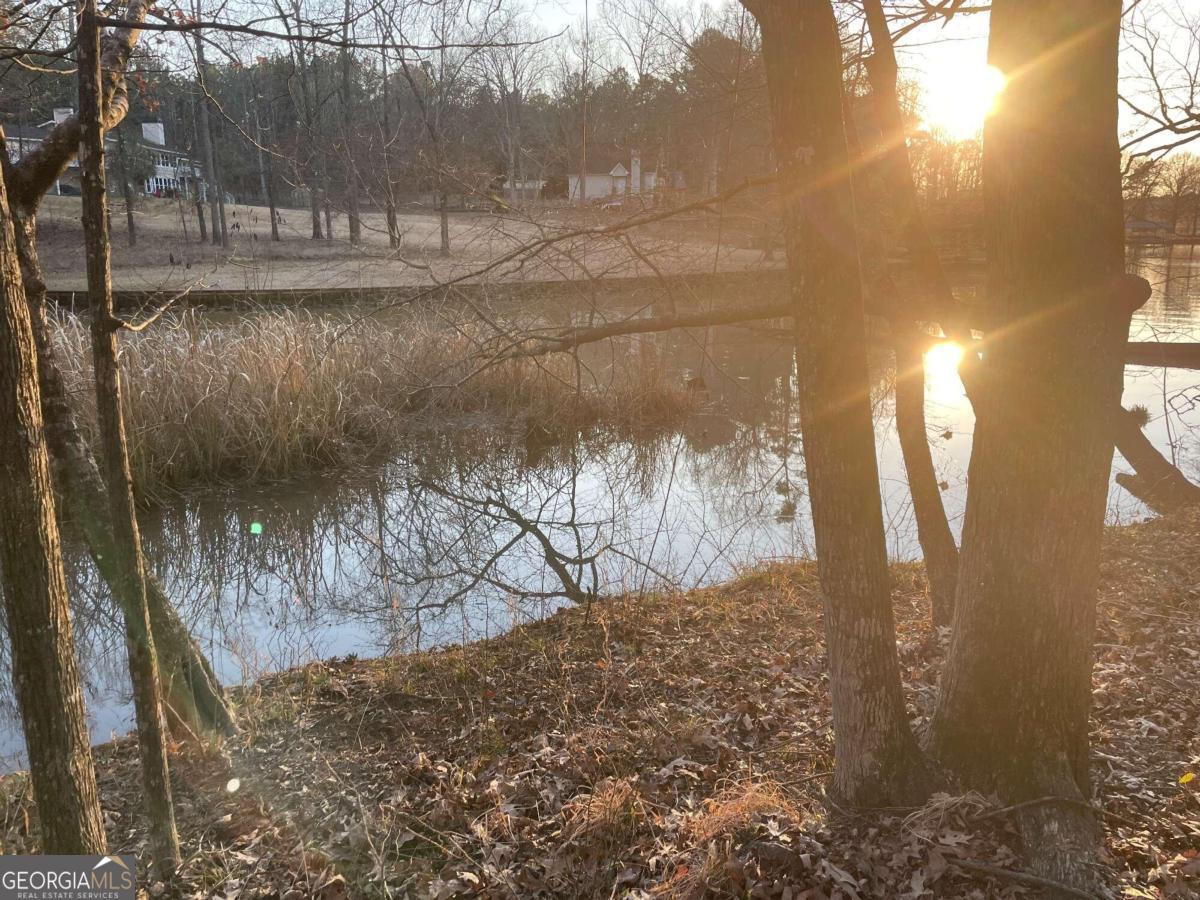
(664, 746)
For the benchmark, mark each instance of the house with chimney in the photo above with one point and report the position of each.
(173, 171)
(612, 173)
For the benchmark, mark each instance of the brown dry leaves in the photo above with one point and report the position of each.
(666, 747)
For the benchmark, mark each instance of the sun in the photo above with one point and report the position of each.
(941, 372)
(957, 100)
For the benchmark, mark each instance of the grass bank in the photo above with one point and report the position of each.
(278, 394)
(665, 746)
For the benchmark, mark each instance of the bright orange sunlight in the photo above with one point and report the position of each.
(941, 371)
(958, 100)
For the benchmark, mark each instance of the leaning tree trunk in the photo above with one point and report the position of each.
(143, 664)
(877, 759)
(1158, 483)
(191, 689)
(34, 585)
(1012, 716)
(933, 530)
(938, 549)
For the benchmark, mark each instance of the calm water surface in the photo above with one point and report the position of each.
(462, 536)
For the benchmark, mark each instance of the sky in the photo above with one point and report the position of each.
(950, 62)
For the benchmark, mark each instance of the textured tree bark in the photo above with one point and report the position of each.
(190, 686)
(197, 699)
(1012, 715)
(143, 665)
(938, 549)
(877, 759)
(35, 591)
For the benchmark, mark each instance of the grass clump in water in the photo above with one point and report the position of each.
(278, 394)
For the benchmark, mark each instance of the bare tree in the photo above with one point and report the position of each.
(197, 698)
(143, 662)
(1163, 83)
(1012, 715)
(640, 29)
(513, 70)
(34, 585)
(877, 759)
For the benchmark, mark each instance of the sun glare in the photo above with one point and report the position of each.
(957, 101)
(941, 371)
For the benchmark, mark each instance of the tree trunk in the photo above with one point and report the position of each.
(444, 216)
(1012, 716)
(224, 229)
(939, 303)
(1158, 483)
(195, 182)
(191, 687)
(44, 672)
(514, 193)
(933, 531)
(877, 759)
(389, 190)
(268, 178)
(327, 208)
(206, 146)
(347, 124)
(200, 217)
(126, 190)
(143, 665)
(315, 206)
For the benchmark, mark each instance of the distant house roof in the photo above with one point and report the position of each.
(14, 132)
(606, 159)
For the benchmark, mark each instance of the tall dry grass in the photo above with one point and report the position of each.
(274, 395)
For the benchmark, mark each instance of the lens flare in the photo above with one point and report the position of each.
(957, 102)
(941, 372)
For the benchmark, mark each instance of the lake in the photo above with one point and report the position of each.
(468, 532)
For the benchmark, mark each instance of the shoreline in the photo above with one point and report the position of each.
(669, 744)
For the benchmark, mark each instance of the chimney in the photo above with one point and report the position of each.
(635, 171)
(62, 113)
(154, 133)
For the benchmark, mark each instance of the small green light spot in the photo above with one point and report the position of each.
(256, 527)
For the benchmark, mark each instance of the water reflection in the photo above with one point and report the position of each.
(465, 534)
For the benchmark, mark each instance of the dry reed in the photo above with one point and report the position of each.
(277, 394)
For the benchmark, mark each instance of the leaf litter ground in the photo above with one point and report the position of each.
(672, 746)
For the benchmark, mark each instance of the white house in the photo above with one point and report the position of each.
(173, 171)
(608, 177)
(24, 139)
